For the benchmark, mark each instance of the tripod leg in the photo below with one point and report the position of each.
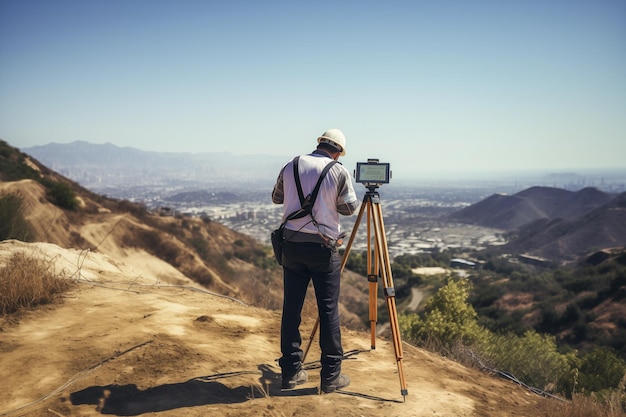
(372, 277)
(383, 254)
(311, 337)
(344, 260)
(373, 308)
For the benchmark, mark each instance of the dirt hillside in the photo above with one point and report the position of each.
(123, 343)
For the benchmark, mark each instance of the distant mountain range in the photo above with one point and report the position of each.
(509, 212)
(553, 223)
(547, 222)
(106, 165)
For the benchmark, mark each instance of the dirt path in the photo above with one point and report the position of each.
(416, 298)
(122, 346)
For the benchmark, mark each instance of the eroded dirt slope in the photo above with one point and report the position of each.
(121, 345)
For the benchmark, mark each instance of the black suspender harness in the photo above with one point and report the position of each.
(306, 208)
(306, 203)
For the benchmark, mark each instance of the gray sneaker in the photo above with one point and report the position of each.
(341, 381)
(290, 382)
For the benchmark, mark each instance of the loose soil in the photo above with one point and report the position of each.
(126, 343)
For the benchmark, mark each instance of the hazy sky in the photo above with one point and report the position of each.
(429, 86)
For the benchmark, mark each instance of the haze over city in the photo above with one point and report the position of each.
(431, 87)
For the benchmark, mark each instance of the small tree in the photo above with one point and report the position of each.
(448, 317)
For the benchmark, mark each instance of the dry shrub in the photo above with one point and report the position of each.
(156, 243)
(13, 224)
(582, 406)
(27, 282)
(609, 403)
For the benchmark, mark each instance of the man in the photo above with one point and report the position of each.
(310, 253)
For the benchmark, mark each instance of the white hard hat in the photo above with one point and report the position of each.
(335, 138)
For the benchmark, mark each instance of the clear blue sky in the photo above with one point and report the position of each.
(429, 86)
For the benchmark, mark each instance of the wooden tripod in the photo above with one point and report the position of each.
(378, 266)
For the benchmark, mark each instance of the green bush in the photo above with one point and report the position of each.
(448, 317)
(532, 358)
(601, 369)
(13, 225)
(61, 194)
(201, 247)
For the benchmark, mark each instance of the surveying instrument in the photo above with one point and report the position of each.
(373, 174)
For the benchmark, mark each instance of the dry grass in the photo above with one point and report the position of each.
(606, 404)
(27, 282)
(585, 406)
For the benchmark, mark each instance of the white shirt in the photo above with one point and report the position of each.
(336, 195)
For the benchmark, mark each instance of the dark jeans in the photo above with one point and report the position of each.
(303, 262)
